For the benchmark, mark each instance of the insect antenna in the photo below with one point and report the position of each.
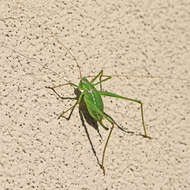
(142, 76)
(149, 75)
(70, 53)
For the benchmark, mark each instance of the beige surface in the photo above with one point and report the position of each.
(37, 151)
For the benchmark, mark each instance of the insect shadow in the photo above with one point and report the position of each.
(86, 117)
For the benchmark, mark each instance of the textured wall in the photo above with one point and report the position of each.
(149, 41)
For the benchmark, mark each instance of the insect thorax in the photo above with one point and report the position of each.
(85, 85)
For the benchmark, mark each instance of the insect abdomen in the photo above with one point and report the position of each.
(94, 99)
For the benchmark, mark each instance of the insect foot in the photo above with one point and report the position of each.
(61, 115)
(148, 137)
(102, 167)
(48, 87)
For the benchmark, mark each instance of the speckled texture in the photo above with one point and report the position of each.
(37, 151)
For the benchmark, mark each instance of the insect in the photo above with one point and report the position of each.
(93, 100)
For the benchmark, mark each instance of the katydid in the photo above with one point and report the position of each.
(93, 100)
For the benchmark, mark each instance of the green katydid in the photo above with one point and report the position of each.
(94, 103)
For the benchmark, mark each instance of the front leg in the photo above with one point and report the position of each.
(72, 107)
(60, 85)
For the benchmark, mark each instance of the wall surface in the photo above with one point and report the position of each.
(144, 45)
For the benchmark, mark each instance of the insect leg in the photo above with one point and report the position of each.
(100, 122)
(98, 75)
(105, 93)
(96, 109)
(72, 107)
(105, 146)
(69, 83)
(65, 98)
(101, 81)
